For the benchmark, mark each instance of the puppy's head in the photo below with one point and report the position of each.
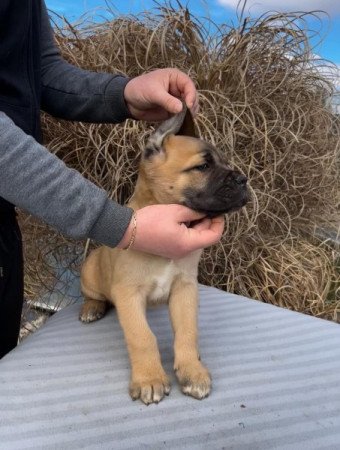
(180, 168)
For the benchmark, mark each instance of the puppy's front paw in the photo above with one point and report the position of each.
(92, 310)
(150, 389)
(194, 378)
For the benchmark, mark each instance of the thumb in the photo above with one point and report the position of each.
(170, 103)
(185, 214)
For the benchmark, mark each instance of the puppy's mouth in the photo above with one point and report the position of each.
(211, 213)
(214, 206)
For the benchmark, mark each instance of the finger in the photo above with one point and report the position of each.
(180, 82)
(202, 225)
(190, 97)
(190, 100)
(170, 103)
(217, 225)
(185, 214)
(205, 238)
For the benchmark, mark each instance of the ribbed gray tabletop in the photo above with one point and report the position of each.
(276, 384)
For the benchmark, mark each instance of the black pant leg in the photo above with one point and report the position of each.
(11, 283)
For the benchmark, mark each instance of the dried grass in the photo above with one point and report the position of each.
(264, 104)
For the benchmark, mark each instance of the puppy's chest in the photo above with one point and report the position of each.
(160, 286)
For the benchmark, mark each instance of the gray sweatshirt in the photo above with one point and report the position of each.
(37, 181)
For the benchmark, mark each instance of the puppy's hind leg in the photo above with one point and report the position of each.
(92, 310)
(95, 303)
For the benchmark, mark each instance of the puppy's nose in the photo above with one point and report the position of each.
(240, 179)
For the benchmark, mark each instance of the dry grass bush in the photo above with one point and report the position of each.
(264, 105)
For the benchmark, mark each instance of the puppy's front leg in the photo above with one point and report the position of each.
(192, 375)
(148, 381)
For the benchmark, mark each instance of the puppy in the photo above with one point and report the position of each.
(176, 167)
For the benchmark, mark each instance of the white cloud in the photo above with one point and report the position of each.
(330, 71)
(335, 77)
(332, 7)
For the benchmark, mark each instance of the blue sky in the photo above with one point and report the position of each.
(223, 11)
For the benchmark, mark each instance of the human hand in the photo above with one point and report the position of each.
(154, 96)
(161, 231)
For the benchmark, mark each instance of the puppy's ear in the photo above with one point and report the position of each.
(181, 123)
(188, 125)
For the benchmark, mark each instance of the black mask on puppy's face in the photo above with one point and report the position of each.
(180, 168)
(225, 189)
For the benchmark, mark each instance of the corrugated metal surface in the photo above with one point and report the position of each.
(276, 384)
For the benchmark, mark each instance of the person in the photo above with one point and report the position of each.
(33, 76)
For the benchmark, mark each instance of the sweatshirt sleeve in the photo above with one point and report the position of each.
(37, 181)
(71, 93)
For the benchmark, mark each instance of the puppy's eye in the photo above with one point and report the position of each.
(202, 167)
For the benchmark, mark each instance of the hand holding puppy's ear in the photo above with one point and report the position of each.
(156, 95)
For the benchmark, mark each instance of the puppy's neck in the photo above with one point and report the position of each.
(142, 195)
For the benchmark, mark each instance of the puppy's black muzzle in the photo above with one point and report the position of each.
(226, 191)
